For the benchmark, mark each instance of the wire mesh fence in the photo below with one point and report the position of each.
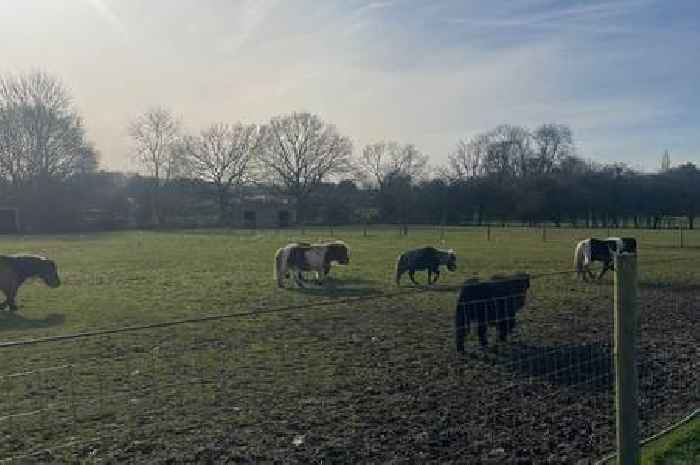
(356, 381)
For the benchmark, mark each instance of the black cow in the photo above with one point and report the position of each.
(494, 302)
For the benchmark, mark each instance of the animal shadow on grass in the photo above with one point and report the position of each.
(14, 322)
(585, 366)
(333, 287)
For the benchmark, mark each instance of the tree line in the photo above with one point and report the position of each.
(49, 171)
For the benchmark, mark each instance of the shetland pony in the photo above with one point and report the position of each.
(600, 250)
(427, 258)
(299, 257)
(16, 269)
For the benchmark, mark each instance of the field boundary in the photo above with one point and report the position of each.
(669, 429)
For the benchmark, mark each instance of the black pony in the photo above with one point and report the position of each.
(427, 258)
(494, 302)
(16, 269)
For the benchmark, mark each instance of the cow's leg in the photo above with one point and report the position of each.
(412, 275)
(437, 275)
(430, 276)
(606, 266)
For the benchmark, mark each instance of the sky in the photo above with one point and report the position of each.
(625, 75)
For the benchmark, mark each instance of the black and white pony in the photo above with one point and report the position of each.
(16, 269)
(600, 250)
(298, 257)
(427, 258)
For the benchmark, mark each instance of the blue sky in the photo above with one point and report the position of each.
(623, 74)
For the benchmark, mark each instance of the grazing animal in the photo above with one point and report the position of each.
(427, 258)
(494, 302)
(16, 269)
(299, 257)
(600, 250)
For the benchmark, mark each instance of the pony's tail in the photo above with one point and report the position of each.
(579, 259)
(400, 267)
(279, 270)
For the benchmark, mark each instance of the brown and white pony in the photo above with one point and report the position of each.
(16, 269)
(299, 257)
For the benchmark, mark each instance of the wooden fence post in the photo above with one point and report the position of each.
(681, 233)
(626, 382)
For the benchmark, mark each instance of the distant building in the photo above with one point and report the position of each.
(263, 211)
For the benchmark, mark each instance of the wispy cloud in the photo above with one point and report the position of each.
(622, 74)
(106, 12)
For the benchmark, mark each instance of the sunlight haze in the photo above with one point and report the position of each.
(624, 75)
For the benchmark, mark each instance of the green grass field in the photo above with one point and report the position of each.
(678, 447)
(350, 381)
(682, 447)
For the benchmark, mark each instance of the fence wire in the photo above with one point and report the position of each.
(356, 381)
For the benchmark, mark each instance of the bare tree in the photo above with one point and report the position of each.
(468, 158)
(393, 168)
(42, 136)
(553, 142)
(222, 155)
(156, 139)
(299, 152)
(382, 160)
(508, 152)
